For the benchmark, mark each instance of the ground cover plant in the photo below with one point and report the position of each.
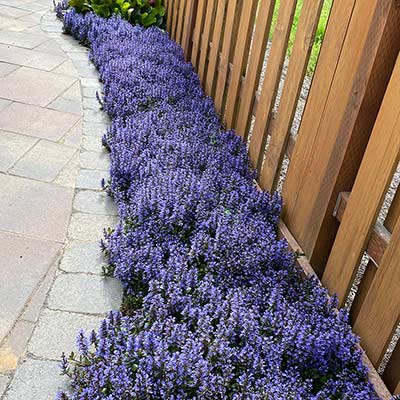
(214, 305)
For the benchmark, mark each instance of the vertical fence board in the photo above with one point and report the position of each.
(229, 38)
(216, 45)
(374, 176)
(188, 26)
(205, 40)
(240, 59)
(198, 28)
(169, 14)
(271, 82)
(340, 137)
(280, 132)
(380, 313)
(256, 61)
(180, 22)
(175, 13)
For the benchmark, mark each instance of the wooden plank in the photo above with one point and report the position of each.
(380, 312)
(256, 61)
(376, 171)
(240, 59)
(362, 291)
(205, 40)
(216, 46)
(343, 131)
(188, 28)
(394, 212)
(198, 28)
(175, 13)
(391, 375)
(181, 15)
(331, 49)
(380, 236)
(233, 6)
(304, 40)
(271, 82)
(169, 14)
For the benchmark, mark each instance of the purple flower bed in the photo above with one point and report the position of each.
(214, 307)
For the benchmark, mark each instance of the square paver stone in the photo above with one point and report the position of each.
(13, 147)
(90, 179)
(94, 202)
(44, 161)
(21, 257)
(82, 293)
(36, 121)
(37, 380)
(89, 227)
(34, 208)
(84, 257)
(56, 333)
(33, 86)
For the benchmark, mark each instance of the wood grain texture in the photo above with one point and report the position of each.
(256, 61)
(216, 47)
(391, 375)
(376, 171)
(227, 44)
(271, 82)
(180, 21)
(198, 29)
(205, 40)
(240, 60)
(303, 43)
(188, 27)
(380, 313)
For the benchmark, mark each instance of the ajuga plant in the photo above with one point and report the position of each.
(142, 12)
(214, 306)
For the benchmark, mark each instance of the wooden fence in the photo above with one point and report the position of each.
(345, 153)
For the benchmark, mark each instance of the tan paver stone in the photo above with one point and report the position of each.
(20, 39)
(19, 254)
(13, 12)
(14, 346)
(12, 148)
(73, 93)
(15, 24)
(34, 86)
(66, 105)
(36, 121)
(50, 47)
(68, 175)
(44, 161)
(33, 208)
(74, 136)
(6, 68)
(66, 68)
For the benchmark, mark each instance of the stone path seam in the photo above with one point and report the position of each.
(77, 296)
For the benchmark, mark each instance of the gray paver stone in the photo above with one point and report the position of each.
(83, 257)
(83, 293)
(56, 333)
(89, 227)
(94, 202)
(37, 380)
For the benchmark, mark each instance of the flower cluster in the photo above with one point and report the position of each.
(214, 307)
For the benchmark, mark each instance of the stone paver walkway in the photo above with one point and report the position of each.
(52, 208)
